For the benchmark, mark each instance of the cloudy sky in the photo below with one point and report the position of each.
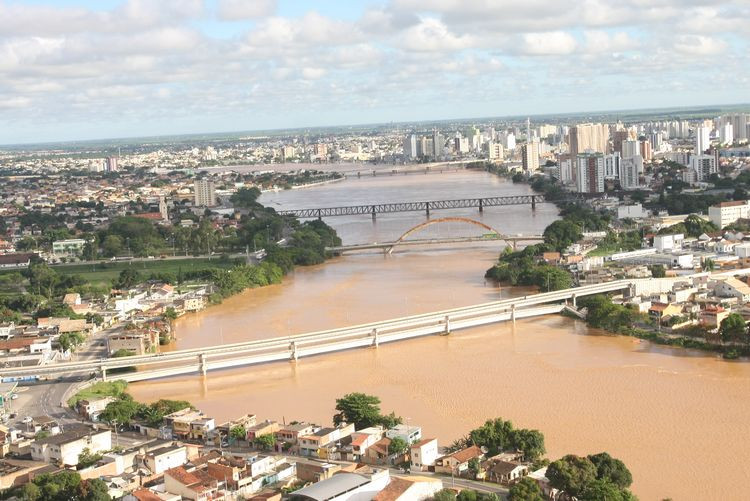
(77, 69)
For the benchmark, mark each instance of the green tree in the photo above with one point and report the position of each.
(561, 234)
(530, 442)
(708, 264)
(397, 446)
(128, 278)
(170, 314)
(525, 489)
(246, 198)
(444, 495)
(602, 490)
(121, 411)
(467, 495)
(265, 442)
(571, 474)
(733, 328)
(238, 433)
(362, 410)
(658, 271)
(611, 469)
(69, 341)
(86, 458)
(112, 246)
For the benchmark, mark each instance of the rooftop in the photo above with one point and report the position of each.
(330, 488)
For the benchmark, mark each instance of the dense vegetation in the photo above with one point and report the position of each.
(498, 435)
(64, 485)
(592, 478)
(523, 268)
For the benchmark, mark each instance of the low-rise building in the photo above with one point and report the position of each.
(423, 454)
(458, 462)
(160, 460)
(64, 448)
(405, 432)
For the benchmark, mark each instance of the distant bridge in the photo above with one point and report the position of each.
(426, 207)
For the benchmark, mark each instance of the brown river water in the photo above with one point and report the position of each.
(676, 417)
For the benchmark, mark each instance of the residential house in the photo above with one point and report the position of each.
(732, 287)
(164, 458)
(180, 421)
(195, 485)
(505, 472)
(288, 436)
(410, 489)
(316, 443)
(201, 428)
(423, 454)
(64, 448)
(146, 494)
(458, 462)
(266, 427)
(405, 432)
(378, 452)
(90, 408)
(712, 315)
(315, 471)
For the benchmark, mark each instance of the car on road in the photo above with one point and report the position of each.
(27, 419)
(14, 396)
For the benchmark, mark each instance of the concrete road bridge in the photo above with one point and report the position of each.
(202, 360)
(490, 235)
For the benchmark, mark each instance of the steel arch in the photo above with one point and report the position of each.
(444, 220)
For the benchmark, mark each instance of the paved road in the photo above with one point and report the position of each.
(43, 398)
(460, 483)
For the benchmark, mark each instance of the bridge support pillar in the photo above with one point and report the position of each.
(202, 364)
(513, 313)
(320, 218)
(427, 209)
(447, 326)
(375, 338)
(481, 208)
(373, 213)
(533, 202)
(293, 352)
(575, 305)
(103, 370)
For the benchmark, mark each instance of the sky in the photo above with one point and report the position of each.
(89, 69)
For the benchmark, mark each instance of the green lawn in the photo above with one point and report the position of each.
(103, 273)
(100, 389)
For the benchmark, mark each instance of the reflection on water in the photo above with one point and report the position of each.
(676, 417)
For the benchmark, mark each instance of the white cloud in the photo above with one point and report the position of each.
(699, 45)
(234, 10)
(549, 43)
(432, 35)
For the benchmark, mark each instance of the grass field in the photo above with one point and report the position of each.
(100, 389)
(103, 273)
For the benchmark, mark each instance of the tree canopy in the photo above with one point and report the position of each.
(525, 489)
(363, 411)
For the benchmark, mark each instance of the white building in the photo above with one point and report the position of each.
(530, 156)
(631, 148)
(630, 172)
(727, 213)
(68, 248)
(702, 140)
(205, 193)
(410, 146)
(634, 211)
(612, 166)
(405, 432)
(423, 454)
(726, 133)
(64, 448)
(668, 242)
(590, 173)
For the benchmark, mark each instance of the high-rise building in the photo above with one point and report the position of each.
(631, 148)
(740, 125)
(594, 137)
(437, 144)
(704, 166)
(410, 146)
(726, 133)
(630, 172)
(566, 168)
(163, 208)
(495, 151)
(530, 156)
(646, 151)
(619, 137)
(656, 140)
(590, 172)
(612, 165)
(702, 140)
(111, 164)
(510, 141)
(205, 193)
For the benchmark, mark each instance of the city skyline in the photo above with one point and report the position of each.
(77, 70)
